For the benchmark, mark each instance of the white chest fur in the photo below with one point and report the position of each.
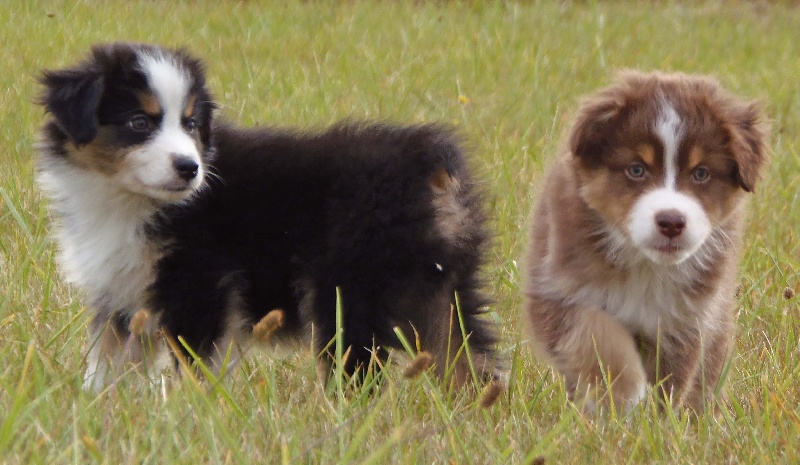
(648, 298)
(644, 297)
(100, 229)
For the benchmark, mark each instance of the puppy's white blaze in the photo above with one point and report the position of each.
(152, 167)
(668, 128)
(169, 81)
(170, 84)
(645, 234)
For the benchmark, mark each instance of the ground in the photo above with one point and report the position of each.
(508, 75)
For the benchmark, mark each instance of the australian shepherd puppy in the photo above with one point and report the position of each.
(210, 227)
(631, 269)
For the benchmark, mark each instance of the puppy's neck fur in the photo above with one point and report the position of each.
(594, 263)
(101, 230)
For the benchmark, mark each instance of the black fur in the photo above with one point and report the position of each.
(288, 214)
(101, 91)
(287, 217)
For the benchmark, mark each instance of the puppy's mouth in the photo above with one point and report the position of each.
(669, 248)
(668, 252)
(180, 187)
(174, 191)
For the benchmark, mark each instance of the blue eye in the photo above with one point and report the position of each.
(700, 175)
(636, 171)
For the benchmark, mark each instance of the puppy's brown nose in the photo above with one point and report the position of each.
(670, 223)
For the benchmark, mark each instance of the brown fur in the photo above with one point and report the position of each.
(100, 155)
(451, 216)
(571, 268)
(150, 103)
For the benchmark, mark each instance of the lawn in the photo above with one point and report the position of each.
(508, 75)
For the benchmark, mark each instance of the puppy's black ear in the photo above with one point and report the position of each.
(72, 97)
(748, 134)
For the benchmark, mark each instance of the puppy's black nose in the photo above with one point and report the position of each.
(185, 167)
(670, 223)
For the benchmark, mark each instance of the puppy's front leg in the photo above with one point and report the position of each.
(679, 365)
(595, 353)
(114, 345)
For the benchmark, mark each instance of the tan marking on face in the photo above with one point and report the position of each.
(647, 154)
(100, 156)
(695, 157)
(150, 103)
(609, 193)
(721, 194)
(188, 111)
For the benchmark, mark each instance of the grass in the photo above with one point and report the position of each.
(508, 76)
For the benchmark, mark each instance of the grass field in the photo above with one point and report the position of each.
(508, 76)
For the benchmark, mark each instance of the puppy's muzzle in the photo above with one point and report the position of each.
(670, 223)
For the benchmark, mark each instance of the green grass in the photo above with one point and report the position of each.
(508, 76)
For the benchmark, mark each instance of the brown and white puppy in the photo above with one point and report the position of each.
(636, 237)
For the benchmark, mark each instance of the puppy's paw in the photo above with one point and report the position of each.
(621, 391)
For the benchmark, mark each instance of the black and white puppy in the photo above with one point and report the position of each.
(210, 227)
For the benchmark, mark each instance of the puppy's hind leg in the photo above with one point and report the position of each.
(361, 339)
(462, 343)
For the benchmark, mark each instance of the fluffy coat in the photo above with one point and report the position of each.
(636, 237)
(210, 227)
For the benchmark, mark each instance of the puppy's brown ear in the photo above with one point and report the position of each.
(596, 118)
(748, 131)
(601, 113)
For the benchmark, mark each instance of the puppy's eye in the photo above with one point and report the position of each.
(701, 175)
(191, 124)
(139, 123)
(636, 171)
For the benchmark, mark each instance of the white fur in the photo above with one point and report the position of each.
(652, 297)
(101, 221)
(114, 267)
(98, 370)
(102, 368)
(642, 227)
(668, 128)
(168, 80)
(649, 296)
(645, 234)
(647, 299)
(149, 170)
